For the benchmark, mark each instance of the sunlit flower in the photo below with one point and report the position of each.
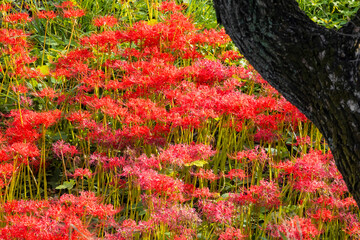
(46, 14)
(108, 21)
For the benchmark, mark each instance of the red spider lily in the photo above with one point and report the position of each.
(82, 172)
(31, 227)
(75, 56)
(311, 166)
(24, 150)
(21, 133)
(145, 162)
(175, 217)
(176, 237)
(212, 37)
(295, 228)
(93, 79)
(87, 204)
(338, 187)
(238, 104)
(47, 92)
(242, 199)
(73, 70)
(293, 115)
(181, 154)
(74, 64)
(129, 227)
(207, 72)
(66, 5)
(17, 18)
(20, 89)
(27, 101)
(257, 154)
(236, 173)
(13, 38)
(27, 72)
(265, 135)
(108, 106)
(79, 116)
(74, 13)
(161, 184)
(4, 155)
(323, 215)
(55, 219)
(204, 193)
(169, 6)
(267, 194)
(108, 163)
(334, 202)
(25, 206)
(5, 7)
(129, 53)
(220, 212)
(46, 14)
(105, 41)
(207, 174)
(31, 118)
(270, 122)
(23, 59)
(230, 55)
(352, 225)
(108, 21)
(146, 109)
(232, 233)
(60, 148)
(310, 186)
(6, 171)
(303, 141)
(47, 118)
(132, 92)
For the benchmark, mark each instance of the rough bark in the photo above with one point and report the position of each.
(315, 68)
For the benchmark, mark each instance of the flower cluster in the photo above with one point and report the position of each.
(152, 128)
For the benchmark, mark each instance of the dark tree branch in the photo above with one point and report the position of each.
(315, 68)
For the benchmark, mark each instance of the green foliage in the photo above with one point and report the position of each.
(330, 13)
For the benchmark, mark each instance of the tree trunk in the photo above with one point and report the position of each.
(315, 68)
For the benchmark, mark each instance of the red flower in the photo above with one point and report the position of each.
(66, 5)
(24, 150)
(82, 172)
(159, 183)
(20, 89)
(220, 212)
(169, 6)
(5, 7)
(232, 233)
(47, 92)
(323, 215)
(74, 13)
(230, 55)
(236, 173)
(61, 148)
(204, 193)
(267, 194)
(181, 154)
(17, 17)
(47, 118)
(295, 228)
(108, 21)
(46, 14)
(206, 174)
(79, 116)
